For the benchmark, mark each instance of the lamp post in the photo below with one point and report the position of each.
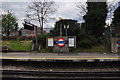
(66, 27)
(60, 27)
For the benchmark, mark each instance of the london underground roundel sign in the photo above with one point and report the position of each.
(61, 42)
(118, 42)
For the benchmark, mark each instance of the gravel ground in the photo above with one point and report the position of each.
(43, 66)
(56, 69)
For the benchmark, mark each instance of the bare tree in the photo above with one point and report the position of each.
(83, 8)
(111, 7)
(40, 11)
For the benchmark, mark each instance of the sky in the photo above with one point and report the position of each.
(113, 5)
(65, 8)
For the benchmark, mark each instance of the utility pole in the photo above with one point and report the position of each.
(60, 29)
(36, 38)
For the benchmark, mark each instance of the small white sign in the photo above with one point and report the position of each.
(71, 42)
(50, 42)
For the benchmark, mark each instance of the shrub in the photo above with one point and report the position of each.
(93, 40)
(42, 40)
(86, 40)
(85, 43)
(99, 40)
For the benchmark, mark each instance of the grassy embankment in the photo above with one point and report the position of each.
(16, 45)
(98, 48)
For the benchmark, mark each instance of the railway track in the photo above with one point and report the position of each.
(37, 75)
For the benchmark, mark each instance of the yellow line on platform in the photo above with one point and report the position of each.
(66, 58)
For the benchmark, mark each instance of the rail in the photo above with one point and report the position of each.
(31, 75)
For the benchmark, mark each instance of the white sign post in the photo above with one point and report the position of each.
(50, 42)
(71, 42)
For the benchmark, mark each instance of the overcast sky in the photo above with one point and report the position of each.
(66, 10)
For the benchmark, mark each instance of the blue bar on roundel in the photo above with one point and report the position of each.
(60, 42)
(118, 42)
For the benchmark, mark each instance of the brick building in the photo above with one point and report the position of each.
(26, 32)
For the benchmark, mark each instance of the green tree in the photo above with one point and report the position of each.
(73, 29)
(9, 23)
(82, 38)
(116, 18)
(95, 18)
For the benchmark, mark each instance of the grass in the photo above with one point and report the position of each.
(16, 45)
(98, 48)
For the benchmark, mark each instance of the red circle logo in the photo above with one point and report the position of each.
(60, 42)
(118, 42)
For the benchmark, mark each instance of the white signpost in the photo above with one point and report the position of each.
(50, 42)
(71, 42)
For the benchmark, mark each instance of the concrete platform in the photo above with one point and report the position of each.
(75, 57)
